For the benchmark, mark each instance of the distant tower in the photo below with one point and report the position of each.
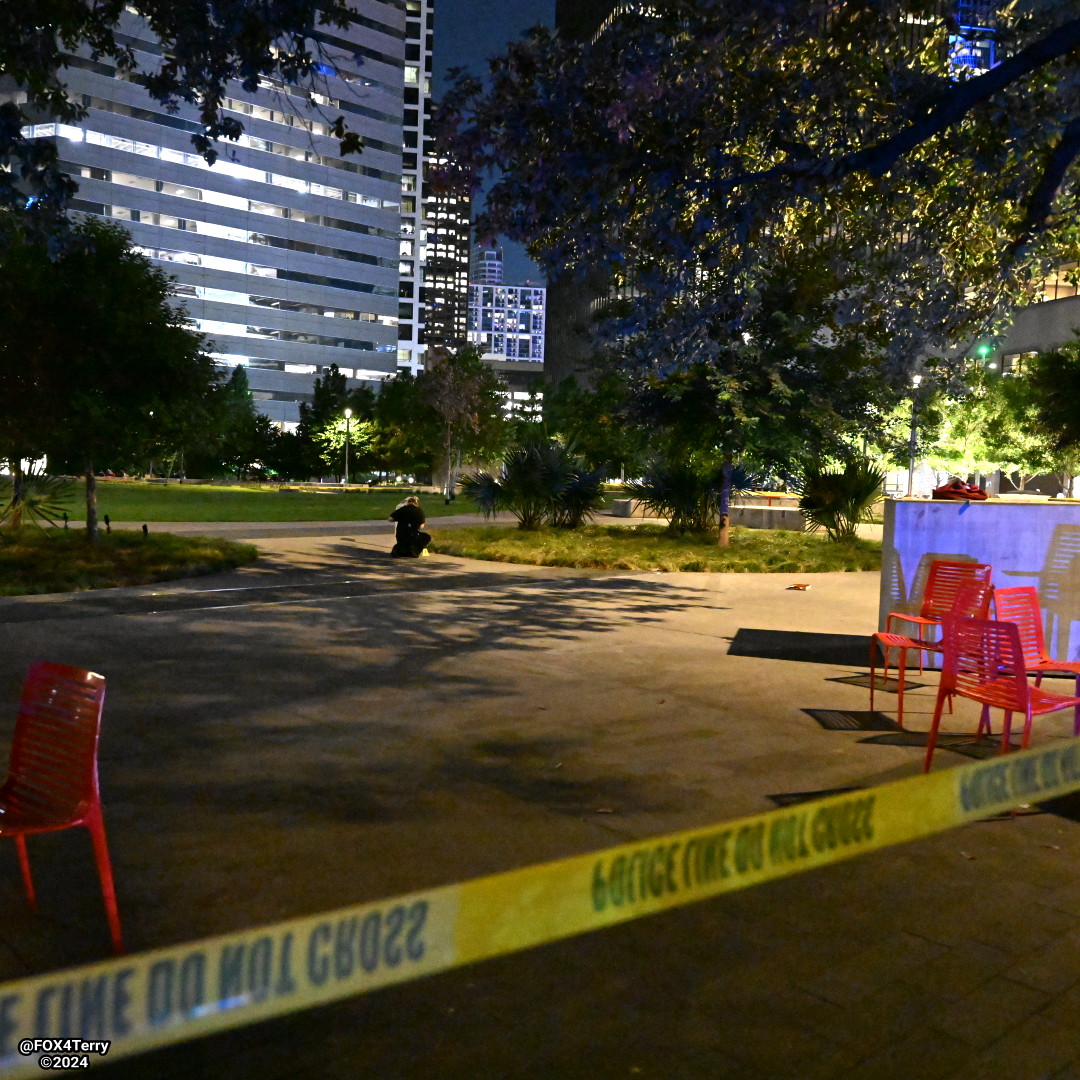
(487, 266)
(446, 276)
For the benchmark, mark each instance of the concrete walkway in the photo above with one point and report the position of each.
(330, 726)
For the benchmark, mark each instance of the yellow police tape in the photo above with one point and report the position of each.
(175, 994)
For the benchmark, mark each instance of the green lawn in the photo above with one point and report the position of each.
(64, 561)
(134, 501)
(650, 547)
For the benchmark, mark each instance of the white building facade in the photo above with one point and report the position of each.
(415, 199)
(506, 322)
(285, 254)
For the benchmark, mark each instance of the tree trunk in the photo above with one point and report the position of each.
(724, 537)
(91, 502)
(18, 493)
(449, 447)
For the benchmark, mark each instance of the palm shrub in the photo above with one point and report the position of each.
(542, 482)
(689, 496)
(581, 496)
(41, 499)
(836, 500)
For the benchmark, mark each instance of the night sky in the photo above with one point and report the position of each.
(467, 32)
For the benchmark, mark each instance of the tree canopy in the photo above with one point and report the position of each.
(96, 362)
(697, 149)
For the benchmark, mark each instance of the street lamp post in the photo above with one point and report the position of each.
(348, 414)
(915, 380)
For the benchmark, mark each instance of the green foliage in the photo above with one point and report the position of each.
(466, 397)
(837, 500)
(96, 362)
(542, 482)
(652, 547)
(405, 436)
(1054, 377)
(800, 202)
(597, 421)
(41, 499)
(690, 497)
(64, 560)
(135, 501)
(993, 423)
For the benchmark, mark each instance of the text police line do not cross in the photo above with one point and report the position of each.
(171, 995)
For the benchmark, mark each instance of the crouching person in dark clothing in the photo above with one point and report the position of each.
(411, 540)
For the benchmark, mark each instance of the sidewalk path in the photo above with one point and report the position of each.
(330, 725)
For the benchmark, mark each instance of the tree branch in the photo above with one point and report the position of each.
(1042, 197)
(957, 102)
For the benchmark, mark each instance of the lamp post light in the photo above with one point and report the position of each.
(915, 381)
(348, 414)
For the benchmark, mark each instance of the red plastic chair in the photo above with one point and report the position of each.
(52, 781)
(972, 600)
(1021, 606)
(943, 585)
(984, 662)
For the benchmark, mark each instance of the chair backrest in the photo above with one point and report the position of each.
(53, 773)
(973, 600)
(984, 661)
(1020, 606)
(944, 583)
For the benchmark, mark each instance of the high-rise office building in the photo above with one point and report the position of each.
(446, 277)
(434, 222)
(285, 253)
(506, 323)
(415, 197)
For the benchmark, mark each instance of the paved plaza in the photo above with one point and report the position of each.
(330, 726)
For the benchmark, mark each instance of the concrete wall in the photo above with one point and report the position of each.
(1027, 543)
(749, 517)
(768, 517)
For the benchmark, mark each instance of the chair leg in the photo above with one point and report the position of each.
(1027, 730)
(1076, 711)
(984, 724)
(24, 866)
(931, 741)
(96, 825)
(873, 667)
(1006, 730)
(901, 671)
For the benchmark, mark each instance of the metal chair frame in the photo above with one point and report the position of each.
(984, 662)
(52, 781)
(1020, 605)
(972, 599)
(944, 583)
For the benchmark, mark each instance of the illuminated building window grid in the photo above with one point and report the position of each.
(221, 167)
(242, 299)
(110, 71)
(326, 66)
(415, 224)
(259, 363)
(507, 320)
(241, 330)
(218, 198)
(377, 201)
(182, 257)
(190, 225)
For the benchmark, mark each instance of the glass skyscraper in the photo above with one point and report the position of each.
(286, 255)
